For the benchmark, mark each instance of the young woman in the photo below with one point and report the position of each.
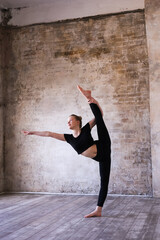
(82, 141)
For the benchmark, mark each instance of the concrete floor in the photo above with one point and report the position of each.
(61, 217)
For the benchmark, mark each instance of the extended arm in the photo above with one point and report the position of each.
(92, 123)
(46, 134)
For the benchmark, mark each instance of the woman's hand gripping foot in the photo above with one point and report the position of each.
(86, 93)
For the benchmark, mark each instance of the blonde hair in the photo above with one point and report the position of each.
(78, 118)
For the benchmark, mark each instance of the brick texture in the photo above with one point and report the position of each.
(44, 63)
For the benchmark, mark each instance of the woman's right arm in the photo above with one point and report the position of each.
(46, 134)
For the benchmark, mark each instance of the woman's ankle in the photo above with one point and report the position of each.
(92, 100)
(99, 209)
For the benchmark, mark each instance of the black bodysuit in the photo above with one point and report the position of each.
(85, 140)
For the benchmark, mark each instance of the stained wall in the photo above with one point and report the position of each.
(33, 12)
(1, 113)
(45, 62)
(152, 14)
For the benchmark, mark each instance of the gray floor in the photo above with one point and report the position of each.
(61, 217)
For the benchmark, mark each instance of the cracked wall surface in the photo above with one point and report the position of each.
(44, 64)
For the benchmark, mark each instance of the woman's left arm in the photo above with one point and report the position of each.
(92, 123)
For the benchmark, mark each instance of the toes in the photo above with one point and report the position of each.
(94, 214)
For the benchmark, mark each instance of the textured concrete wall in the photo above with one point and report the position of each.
(1, 113)
(45, 63)
(153, 37)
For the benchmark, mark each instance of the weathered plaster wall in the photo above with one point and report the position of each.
(1, 112)
(152, 13)
(28, 12)
(45, 63)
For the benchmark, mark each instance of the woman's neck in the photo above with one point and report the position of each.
(76, 132)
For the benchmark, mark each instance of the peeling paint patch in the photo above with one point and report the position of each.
(6, 16)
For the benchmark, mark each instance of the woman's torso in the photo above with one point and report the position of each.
(91, 152)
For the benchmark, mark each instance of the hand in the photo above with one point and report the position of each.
(27, 133)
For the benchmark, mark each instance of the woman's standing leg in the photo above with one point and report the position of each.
(104, 169)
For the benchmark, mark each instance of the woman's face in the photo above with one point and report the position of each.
(72, 122)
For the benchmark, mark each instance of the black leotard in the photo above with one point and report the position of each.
(83, 141)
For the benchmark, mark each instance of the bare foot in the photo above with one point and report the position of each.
(86, 93)
(95, 213)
